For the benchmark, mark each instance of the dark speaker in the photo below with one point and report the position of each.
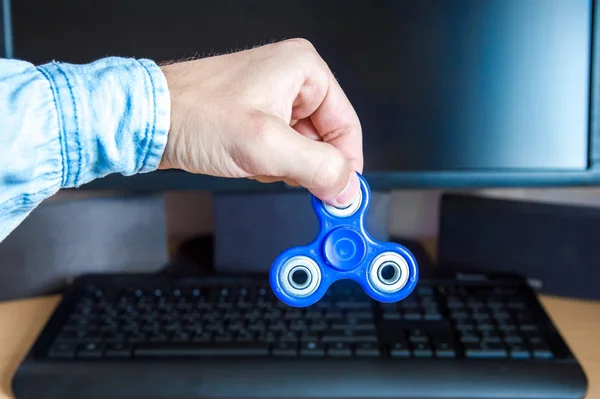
(557, 247)
(3, 28)
(61, 240)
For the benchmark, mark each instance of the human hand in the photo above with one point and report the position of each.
(272, 113)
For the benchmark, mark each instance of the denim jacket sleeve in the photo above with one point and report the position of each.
(64, 125)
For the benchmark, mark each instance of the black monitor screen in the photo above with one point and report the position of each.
(438, 85)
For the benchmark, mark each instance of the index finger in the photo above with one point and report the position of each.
(322, 101)
(337, 122)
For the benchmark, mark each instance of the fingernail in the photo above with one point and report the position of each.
(349, 193)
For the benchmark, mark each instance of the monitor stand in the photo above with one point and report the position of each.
(251, 229)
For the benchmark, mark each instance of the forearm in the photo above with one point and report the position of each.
(64, 125)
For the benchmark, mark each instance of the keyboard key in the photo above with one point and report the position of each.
(491, 336)
(62, 350)
(353, 305)
(518, 352)
(159, 337)
(399, 349)
(285, 349)
(309, 336)
(203, 337)
(485, 350)
(501, 314)
(292, 315)
(362, 315)
(193, 328)
(224, 337)
(429, 302)
(334, 315)
(257, 326)
(422, 349)
(114, 337)
(266, 336)
(475, 303)
(181, 336)
(339, 349)
(80, 335)
(90, 350)
(245, 336)
(388, 307)
(513, 339)
(273, 315)
(465, 326)
(354, 327)
(349, 335)
(455, 304)
(535, 339)
(234, 317)
(418, 339)
(391, 315)
(312, 348)
(507, 327)
(459, 314)
(415, 332)
(298, 325)
(408, 304)
(432, 316)
(444, 349)
(313, 314)
(172, 327)
(485, 327)
(528, 327)
(278, 326)
(201, 350)
(412, 316)
(515, 304)
(541, 351)
(481, 316)
(119, 350)
(469, 338)
(288, 336)
(318, 326)
(369, 349)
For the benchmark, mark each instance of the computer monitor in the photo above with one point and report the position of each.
(463, 93)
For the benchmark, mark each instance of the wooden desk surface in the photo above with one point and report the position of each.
(578, 321)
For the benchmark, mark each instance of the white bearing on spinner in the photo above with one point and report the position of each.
(300, 276)
(389, 272)
(347, 211)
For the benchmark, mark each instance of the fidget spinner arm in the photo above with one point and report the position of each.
(343, 249)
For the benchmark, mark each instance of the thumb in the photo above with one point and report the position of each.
(318, 166)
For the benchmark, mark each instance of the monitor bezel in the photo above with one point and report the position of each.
(6, 40)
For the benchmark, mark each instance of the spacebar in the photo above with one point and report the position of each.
(201, 350)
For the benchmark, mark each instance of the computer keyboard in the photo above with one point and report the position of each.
(155, 337)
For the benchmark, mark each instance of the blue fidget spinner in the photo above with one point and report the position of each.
(343, 249)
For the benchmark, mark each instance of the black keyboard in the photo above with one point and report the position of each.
(154, 337)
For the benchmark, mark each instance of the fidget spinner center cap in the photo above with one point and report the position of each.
(344, 248)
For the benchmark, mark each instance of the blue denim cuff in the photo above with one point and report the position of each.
(113, 116)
